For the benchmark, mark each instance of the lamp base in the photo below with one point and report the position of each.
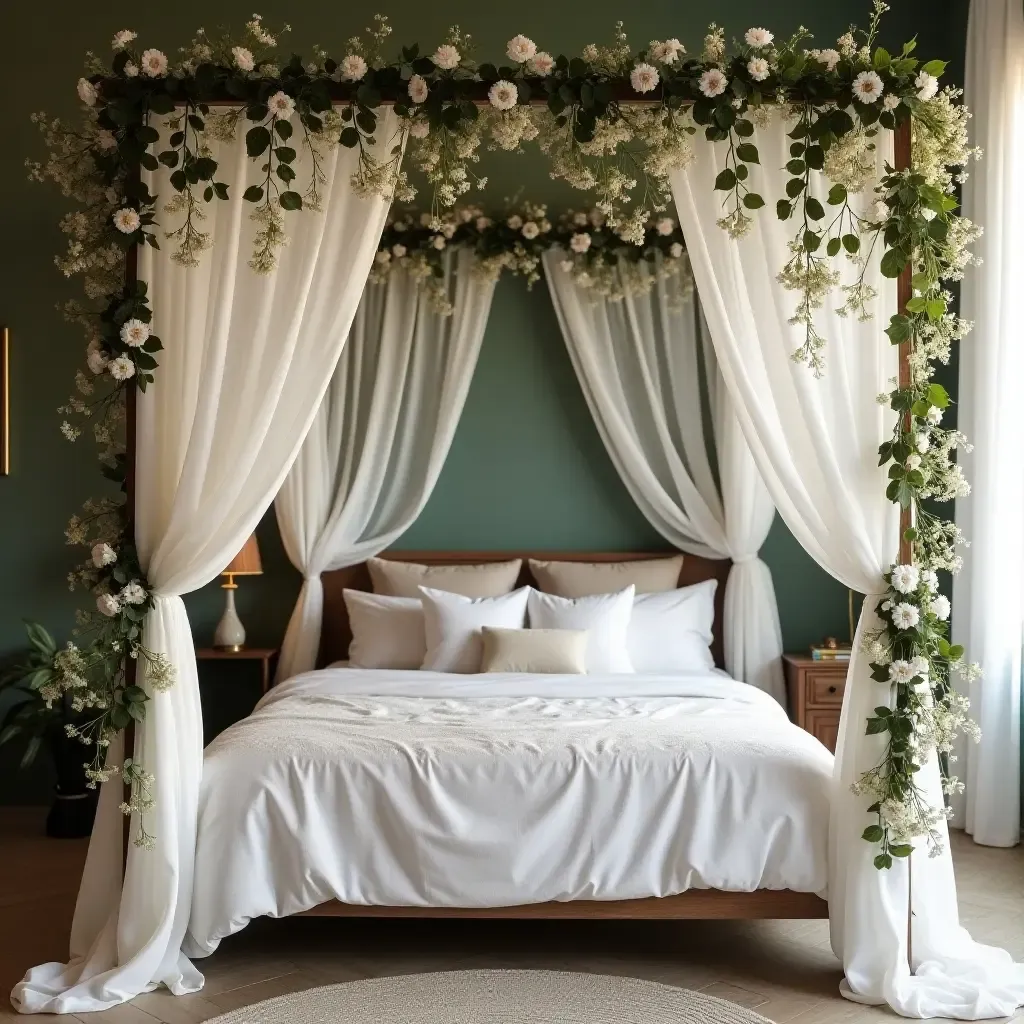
(229, 648)
(230, 634)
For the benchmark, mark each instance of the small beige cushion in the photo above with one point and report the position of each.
(404, 579)
(534, 650)
(584, 579)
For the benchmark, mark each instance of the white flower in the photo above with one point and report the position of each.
(503, 95)
(446, 57)
(106, 140)
(890, 101)
(665, 226)
(419, 129)
(154, 63)
(676, 250)
(580, 242)
(121, 368)
(905, 578)
(123, 38)
(868, 87)
(541, 64)
(87, 92)
(829, 57)
(759, 69)
(133, 593)
(667, 52)
(913, 462)
(934, 415)
(939, 607)
(398, 250)
(530, 229)
(886, 605)
(281, 105)
(520, 49)
(927, 86)
(758, 38)
(901, 671)
(382, 258)
(930, 578)
(103, 554)
(920, 665)
(515, 222)
(713, 83)
(353, 67)
(127, 220)
(94, 357)
(135, 333)
(567, 265)
(439, 241)
(847, 44)
(581, 220)
(644, 78)
(905, 616)
(243, 58)
(131, 70)
(483, 223)
(108, 605)
(418, 89)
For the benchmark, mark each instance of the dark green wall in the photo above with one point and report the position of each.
(526, 469)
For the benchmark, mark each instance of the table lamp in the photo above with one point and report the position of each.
(230, 634)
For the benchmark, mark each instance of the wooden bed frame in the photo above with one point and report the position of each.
(695, 904)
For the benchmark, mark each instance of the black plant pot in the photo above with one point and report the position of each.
(74, 806)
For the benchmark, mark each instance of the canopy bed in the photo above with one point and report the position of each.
(254, 330)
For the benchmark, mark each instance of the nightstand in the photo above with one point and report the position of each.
(264, 655)
(816, 695)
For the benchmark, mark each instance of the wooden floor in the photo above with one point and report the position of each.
(784, 970)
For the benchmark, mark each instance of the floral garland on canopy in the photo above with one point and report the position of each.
(613, 122)
(594, 254)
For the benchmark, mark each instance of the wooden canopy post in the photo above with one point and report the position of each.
(904, 292)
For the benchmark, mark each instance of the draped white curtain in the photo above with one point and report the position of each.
(989, 592)
(245, 364)
(638, 365)
(815, 442)
(376, 447)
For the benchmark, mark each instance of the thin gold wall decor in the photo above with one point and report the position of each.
(5, 402)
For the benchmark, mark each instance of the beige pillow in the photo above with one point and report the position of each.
(534, 650)
(403, 579)
(584, 579)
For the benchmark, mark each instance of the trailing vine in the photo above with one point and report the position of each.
(615, 123)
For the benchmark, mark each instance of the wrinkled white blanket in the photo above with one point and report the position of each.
(429, 789)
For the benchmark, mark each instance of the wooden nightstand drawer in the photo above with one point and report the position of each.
(825, 687)
(824, 726)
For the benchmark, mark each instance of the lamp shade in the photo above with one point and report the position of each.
(247, 561)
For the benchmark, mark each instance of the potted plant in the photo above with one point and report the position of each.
(43, 716)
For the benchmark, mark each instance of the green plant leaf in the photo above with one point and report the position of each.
(873, 833)
(747, 152)
(752, 201)
(290, 201)
(257, 141)
(253, 194)
(726, 180)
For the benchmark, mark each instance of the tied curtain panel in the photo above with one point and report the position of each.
(247, 360)
(638, 362)
(815, 442)
(988, 595)
(376, 447)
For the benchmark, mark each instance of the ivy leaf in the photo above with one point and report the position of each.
(934, 67)
(901, 850)
(283, 129)
(900, 329)
(794, 187)
(796, 166)
(257, 141)
(893, 262)
(752, 201)
(747, 152)
(743, 128)
(811, 241)
(349, 137)
(883, 861)
(833, 247)
(873, 833)
(837, 195)
(815, 157)
(783, 209)
(938, 396)
(726, 180)
(876, 725)
(813, 208)
(290, 200)
(253, 194)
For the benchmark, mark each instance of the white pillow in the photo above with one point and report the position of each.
(604, 616)
(561, 651)
(453, 625)
(387, 632)
(403, 579)
(671, 632)
(583, 579)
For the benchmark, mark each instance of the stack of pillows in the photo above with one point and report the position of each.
(587, 617)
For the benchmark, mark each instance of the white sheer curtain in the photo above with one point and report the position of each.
(376, 447)
(989, 592)
(245, 364)
(815, 442)
(638, 365)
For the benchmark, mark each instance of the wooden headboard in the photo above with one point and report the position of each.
(336, 634)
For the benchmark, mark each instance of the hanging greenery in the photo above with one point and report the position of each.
(615, 123)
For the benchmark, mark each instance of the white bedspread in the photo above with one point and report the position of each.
(429, 789)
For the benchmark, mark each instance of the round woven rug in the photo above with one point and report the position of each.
(494, 997)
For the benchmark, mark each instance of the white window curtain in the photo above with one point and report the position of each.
(988, 595)
(815, 442)
(374, 452)
(638, 365)
(246, 361)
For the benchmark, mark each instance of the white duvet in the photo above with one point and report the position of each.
(431, 789)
